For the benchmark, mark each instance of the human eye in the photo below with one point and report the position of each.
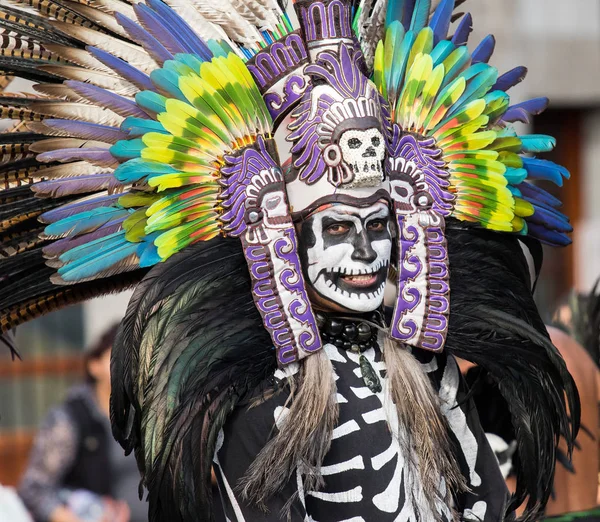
(377, 225)
(338, 229)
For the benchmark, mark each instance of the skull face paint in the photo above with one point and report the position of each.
(347, 254)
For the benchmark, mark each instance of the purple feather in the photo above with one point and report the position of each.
(550, 237)
(440, 22)
(81, 205)
(156, 28)
(138, 34)
(79, 129)
(122, 68)
(523, 111)
(551, 219)
(109, 100)
(508, 80)
(463, 31)
(58, 188)
(533, 192)
(484, 50)
(409, 8)
(57, 248)
(94, 155)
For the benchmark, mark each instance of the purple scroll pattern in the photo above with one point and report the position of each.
(280, 294)
(421, 314)
(278, 72)
(419, 188)
(256, 210)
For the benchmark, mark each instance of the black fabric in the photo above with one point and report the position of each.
(367, 438)
(92, 470)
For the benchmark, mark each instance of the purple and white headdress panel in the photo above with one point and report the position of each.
(421, 202)
(338, 144)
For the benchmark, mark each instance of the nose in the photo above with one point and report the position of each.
(363, 250)
(369, 153)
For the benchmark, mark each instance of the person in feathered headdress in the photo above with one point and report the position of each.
(278, 191)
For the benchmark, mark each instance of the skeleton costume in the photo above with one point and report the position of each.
(265, 183)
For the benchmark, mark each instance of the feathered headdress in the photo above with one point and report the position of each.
(158, 132)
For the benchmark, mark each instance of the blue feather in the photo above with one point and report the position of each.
(136, 127)
(463, 31)
(138, 34)
(420, 15)
(122, 68)
(151, 101)
(178, 25)
(510, 79)
(440, 22)
(149, 256)
(533, 192)
(127, 149)
(535, 143)
(484, 50)
(523, 111)
(545, 170)
(137, 169)
(395, 12)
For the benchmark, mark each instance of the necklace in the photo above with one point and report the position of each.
(357, 335)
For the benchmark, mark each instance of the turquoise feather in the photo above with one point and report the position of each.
(515, 176)
(84, 221)
(137, 169)
(441, 51)
(93, 264)
(136, 127)
(420, 16)
(167, 81)
(395, 12)
(151, 102)
(127, 149)
(534, 143)
(479, 82)
(191, 61)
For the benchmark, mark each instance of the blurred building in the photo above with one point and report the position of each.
(558, 40)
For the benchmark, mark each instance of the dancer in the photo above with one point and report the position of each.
(277, 190)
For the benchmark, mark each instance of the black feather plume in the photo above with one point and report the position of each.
(190, 348)
(495, 324)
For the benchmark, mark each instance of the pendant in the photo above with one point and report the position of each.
(369, 375)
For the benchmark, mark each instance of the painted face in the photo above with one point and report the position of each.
(347, 254)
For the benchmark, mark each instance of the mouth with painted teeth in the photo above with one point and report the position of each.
(361, 283)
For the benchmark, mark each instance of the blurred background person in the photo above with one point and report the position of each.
(576, 489)
(77, 472)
